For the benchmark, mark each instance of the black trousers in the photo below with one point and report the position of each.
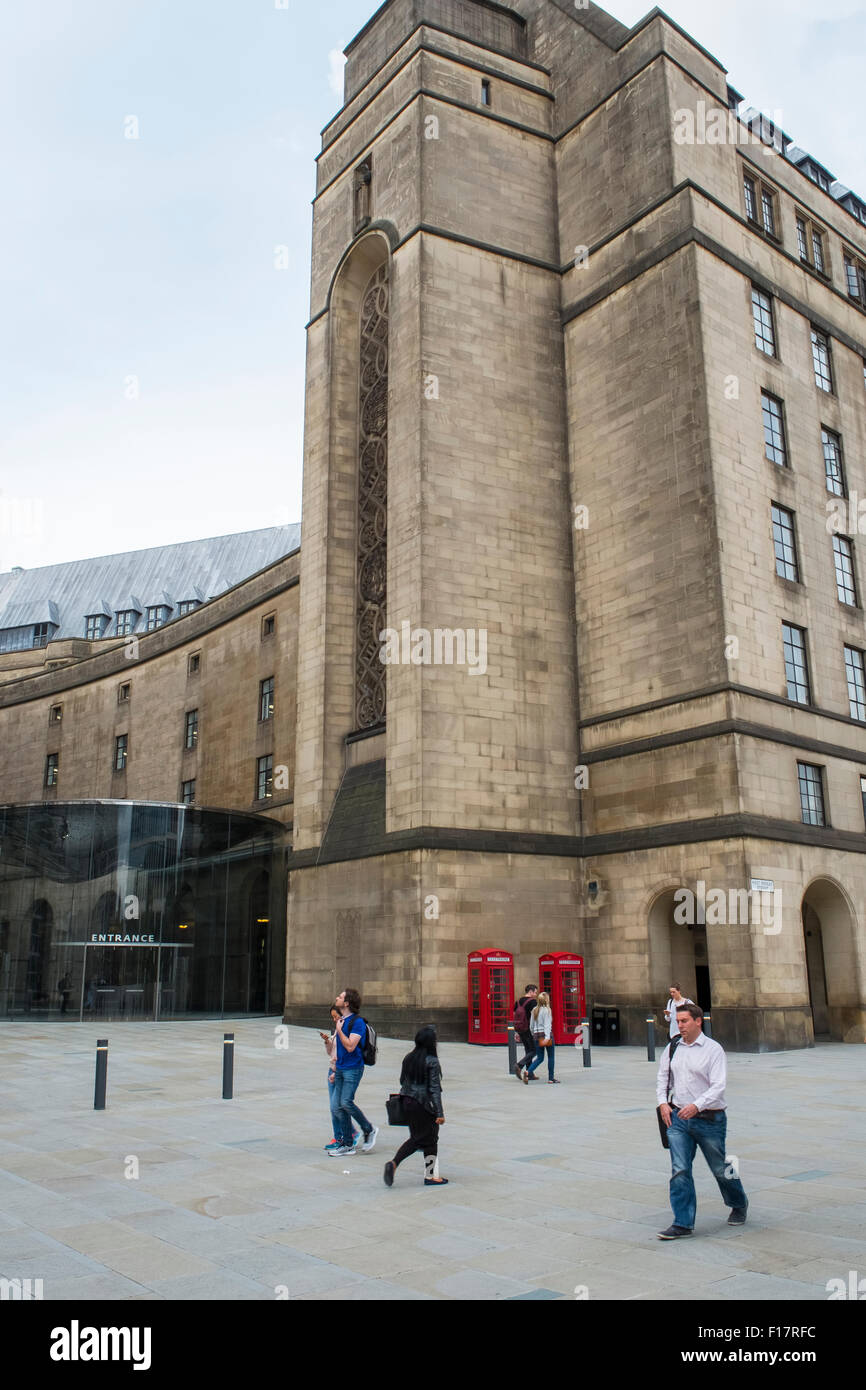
(529, 1048)
(423, 1131)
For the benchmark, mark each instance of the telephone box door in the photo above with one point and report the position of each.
(490, 995)
(561, 975)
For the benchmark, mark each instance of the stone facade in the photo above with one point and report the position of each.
(576, 466)
(144, 688)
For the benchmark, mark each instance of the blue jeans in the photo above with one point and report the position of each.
(707, 1133)
(539, 1058)
(332, 1093)
(346, 1083)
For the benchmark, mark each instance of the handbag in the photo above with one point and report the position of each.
(396, 1110)
(663, 1129)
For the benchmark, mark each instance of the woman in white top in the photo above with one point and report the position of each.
(541, 1026)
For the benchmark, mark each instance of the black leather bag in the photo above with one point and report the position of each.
(396, 1110)
(663, 1129)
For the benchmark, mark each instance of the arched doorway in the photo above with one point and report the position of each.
(678, 952)
(832, 968)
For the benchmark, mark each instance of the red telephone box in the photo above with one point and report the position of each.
(561, 976)
(491, 995)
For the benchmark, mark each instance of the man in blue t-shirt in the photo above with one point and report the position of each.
(349, 1068)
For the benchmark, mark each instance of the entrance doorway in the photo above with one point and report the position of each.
(119, 982)
(678, 954)
(830, 960)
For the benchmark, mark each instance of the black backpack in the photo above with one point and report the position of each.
(370, 1045)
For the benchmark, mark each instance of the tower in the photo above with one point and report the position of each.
(535, 461)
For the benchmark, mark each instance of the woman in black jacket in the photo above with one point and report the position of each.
(421, 1089)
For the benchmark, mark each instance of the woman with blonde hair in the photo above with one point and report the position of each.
(541, 1026)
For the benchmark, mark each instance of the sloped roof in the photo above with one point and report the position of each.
(67, 594)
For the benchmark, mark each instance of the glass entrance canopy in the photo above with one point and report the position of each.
(140, 910)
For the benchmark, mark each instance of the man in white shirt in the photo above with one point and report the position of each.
(674, 1003)
(691, 1097)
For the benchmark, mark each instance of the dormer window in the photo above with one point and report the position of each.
(157, 617)
(126, 622)
(95, 626)
(816, 174)
(187, 605)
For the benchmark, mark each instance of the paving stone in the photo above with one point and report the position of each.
(235, 1199)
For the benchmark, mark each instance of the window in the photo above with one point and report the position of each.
(193, 665)
(40, 634)
(269, 625)
(775, 445)
(843, 557)
(266, 699)
(157, 617)
(810, 244)
(863, 795)
(187, 792)
(95, 625)
(796, 664)
(121, 752)
(187, 606)
(822, 360)
(190, 739)
(762, 312)
(762, 205)
(55, 714)
(362, 191)
(52, 769)
(811, 794)
(785, 543)
(264, 777)
(485, 93)
(856, 676)
(816, 174)
(750, 190)
(834, 465)
(123, 693)
(855, 278)
(126, 622)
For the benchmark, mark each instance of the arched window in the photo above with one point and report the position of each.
(372, 503)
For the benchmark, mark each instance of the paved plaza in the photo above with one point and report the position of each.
(552, 1189)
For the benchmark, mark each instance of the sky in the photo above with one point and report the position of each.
(158, 170)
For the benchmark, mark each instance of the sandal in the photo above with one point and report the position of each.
(552, 1081)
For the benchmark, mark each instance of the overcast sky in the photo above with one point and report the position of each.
(153, 355)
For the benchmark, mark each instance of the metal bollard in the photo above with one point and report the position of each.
(587, 1049)
(708, 1025)
(650, 1039)
(228, 1065)
(101, 1073)
(512, 1050)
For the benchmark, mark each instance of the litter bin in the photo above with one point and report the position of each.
(611, 1027)
(599, 1038)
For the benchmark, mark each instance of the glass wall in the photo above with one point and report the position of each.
(137, 910)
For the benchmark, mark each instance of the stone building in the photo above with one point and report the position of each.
(579, 637)
(538, 348)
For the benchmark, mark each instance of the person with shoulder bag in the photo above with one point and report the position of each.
(541, 1023)
(421, 1092)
